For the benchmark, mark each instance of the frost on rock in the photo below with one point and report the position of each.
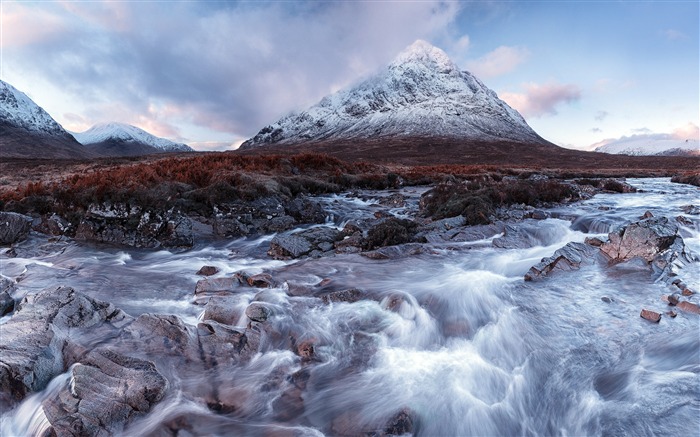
(421, 93)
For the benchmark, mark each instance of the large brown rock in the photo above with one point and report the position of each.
(644, 239)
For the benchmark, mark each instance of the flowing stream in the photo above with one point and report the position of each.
(454, 334)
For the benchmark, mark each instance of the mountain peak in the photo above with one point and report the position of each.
(114, 131)
(423, 53)
(422, 94)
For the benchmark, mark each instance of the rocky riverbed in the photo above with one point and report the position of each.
(406, 311)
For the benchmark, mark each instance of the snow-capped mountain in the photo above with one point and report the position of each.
(422, 93)
(126, 133)
(651, 145)
(28, 131)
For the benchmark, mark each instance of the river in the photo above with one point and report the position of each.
(454, 334)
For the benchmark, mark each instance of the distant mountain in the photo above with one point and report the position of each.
(27, 131)
(651, 145)
(421, 94)
(118, 139)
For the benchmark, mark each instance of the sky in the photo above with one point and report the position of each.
(213, 73)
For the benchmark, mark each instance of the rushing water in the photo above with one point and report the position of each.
(453, 334)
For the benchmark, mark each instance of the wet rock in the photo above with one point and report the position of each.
(645, 239)
(688, 307)
(539, 214)
(258, 312)
(207, 271)
(224, 309)
(594, 241)
(691, 209)
(53, 225)
(261, 280)
(42, 328)
(671, 314)
(569, 257)
(221, 345)
(674, 299)
(289, 246)
(303, 243)
(290, 404)
(684, 220)
(7, 303)
(230, 227)
(162, 336)
(13, 227)
(351, 424)
(652, 316)
(401, 424)
(305, 210)
(280, 224)
(217, 285)
(647, 215)
(107, 391)
(396, 200)
(390, 232)
(395, 252)
(606, 299)
(350, 295)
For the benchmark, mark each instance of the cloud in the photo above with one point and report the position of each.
(596, 130)
(229, 67)
(673, 34)
(685, 137)
(540, 100)
(23, 26)
(214, 146)
(688, 132)
(498, 62)
(601, 115)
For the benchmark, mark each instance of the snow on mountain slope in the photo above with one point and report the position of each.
(104, 132)
(20, 111)
(659, 144)
(422, 93)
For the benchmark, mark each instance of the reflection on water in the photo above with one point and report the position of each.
(454, 336)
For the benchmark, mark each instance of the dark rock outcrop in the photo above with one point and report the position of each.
(13, 227)
(652, 316)
(130, 226)
(207, 271)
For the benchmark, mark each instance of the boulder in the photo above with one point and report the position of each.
(261, 280)
(207, 271)
(258, 312)
(230, 227)
(569, 257)
(13, 227)
(645, 239)
(217, 285)
(395, 252)
(289, 246)
(107, 391)
(319, 240)
(224, 309)
(45, 327)
(305, 210)
(350, 295)
(390, 232)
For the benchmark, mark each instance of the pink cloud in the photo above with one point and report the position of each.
(539, 100)
(688, 132)
(498, 62)
(23, 26)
